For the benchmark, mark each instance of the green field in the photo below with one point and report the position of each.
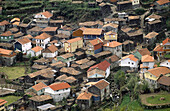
(156, 99)
(10, 99)
(13, 72)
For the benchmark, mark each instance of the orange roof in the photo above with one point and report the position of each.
(85, 95)
(28, 36)
(24, 40)
(147, 58)
(39, 86)
(96, 41)
(5, 51)
(48, 29)
(151, 35)
(110, 33)
(37, 49)
(59, 86)
(7, 33)
(101, 84)
(133, 17)
(159, 70)
(141, 66)
(131, 57)
(112, 44)
(43, 36)
(161, 2)
(46, 14)
(158, 48)
(52, 48)
(144, 51)
(166, 41)
(74, 40)
(92, 31)
(15, 19)
(2, 102)
(112, 25)
(4, 23)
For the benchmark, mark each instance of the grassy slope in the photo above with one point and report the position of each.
(13, 72)
(156, 99)
(10, 99)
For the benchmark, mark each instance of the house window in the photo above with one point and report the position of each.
(167, 63)
(132, 63)
(5, 37)
(150, 75)
(1, 37)
(128, 62)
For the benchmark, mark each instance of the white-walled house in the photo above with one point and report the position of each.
(42, 40)
(165, 63)
(147, 63)
(114, 47)
(50, 52)
(135, 3)
(23, 45)
(36, 51)
(129, 62)
(58, 91)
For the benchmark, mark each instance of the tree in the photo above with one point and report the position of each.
(119, 78)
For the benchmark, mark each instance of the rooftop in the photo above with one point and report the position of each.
(59, 86)
(147, 58)
(159, 70)
(112, 44)
(24, 40)
(92, 31)
(41, 98)
(37, 49)
(39, 86)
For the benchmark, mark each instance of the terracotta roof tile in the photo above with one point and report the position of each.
(151, 35)
(66, 28)
(101, 84)
(162, 2)
(53, 48)
(43, 36)
(41, 72)
(82, 61)
(37, 49)
(70, 79)
(48, 29)
(96, 41)
(84, 96)
(159, 70)
(95, 71)
(131, 57)
(112, 25)
(164, 80)
(102, 65)
(5, 51)
(74, 40)
(91, 23)
(7, 33)
(24, 40)
(28, 36)
(70, 71)
(39, 86)
(59, 86)
(67, 55)
(133, 17)
(41, 98)
(35, 29)
(158, 48)
(42, 60)
(147, 58)
(113, 58)
(2, 102)
(92, 31)
(112, 44)
(111, 33)
(144, 51)
(62, 77)
(166, 41)
(4, 23)
(46, 14)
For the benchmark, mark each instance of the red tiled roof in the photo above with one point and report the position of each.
(74, 40)
(2, 102)
(37, 49)
(147, 58)
(4, 23)
(131, 57)
(166, 41)
(46, 14)
(158, 48)
(52, 48)
(59, 86)
(96, 41)
(24, 40)
(85, 96)
(112, 44)
(92, 31)
(164, 80)
(159, 70)
(102, 65)
(43, 36)
(161, 2)
(144, 51)
(5, 51)
(39, 86)
(48, 29)
(101, 84)
(7, 33)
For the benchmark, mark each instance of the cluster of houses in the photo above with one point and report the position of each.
(75, 61)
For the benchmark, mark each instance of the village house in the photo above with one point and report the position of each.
(61, 37)
(101, 56)
(24, 27)
(36, 67)
(114, 47)
(118, 21)
(80, 54)
(150, 38)
(23, 45)
(101, 89)
(84, 100)
(66, 58)
(56, 23)
(68, 79)
(165, 63)
(129, 63)
(160, 4)
(56, 43)
(164, 82)
(2, 104)
(78, 32)
(46, 107)
(114, 61)
(99, 71)
(50, 52)
(42, 61)
(124, 5)
(7, 57)
(154, 23)
(105, 9)
(110, 27)
(94, 46)
(34, 31)
(141, 52)
(134, 21)
(50, 30)
(66, 30)
(110, 36)
(36, 51)
(73, 44)
(15, 22)
(4, 25)
(91, 24)
(42, 40)
(147, 63)
(8, 46)
(38, 88)
(92, 33)
(152, 75)
(14, 30)
(128, 46)
(135, 4)
(18, 35)
(58, 65)
(58, 91)
(39, 100)
(6, 37)
(162, 49)
(42, 19)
